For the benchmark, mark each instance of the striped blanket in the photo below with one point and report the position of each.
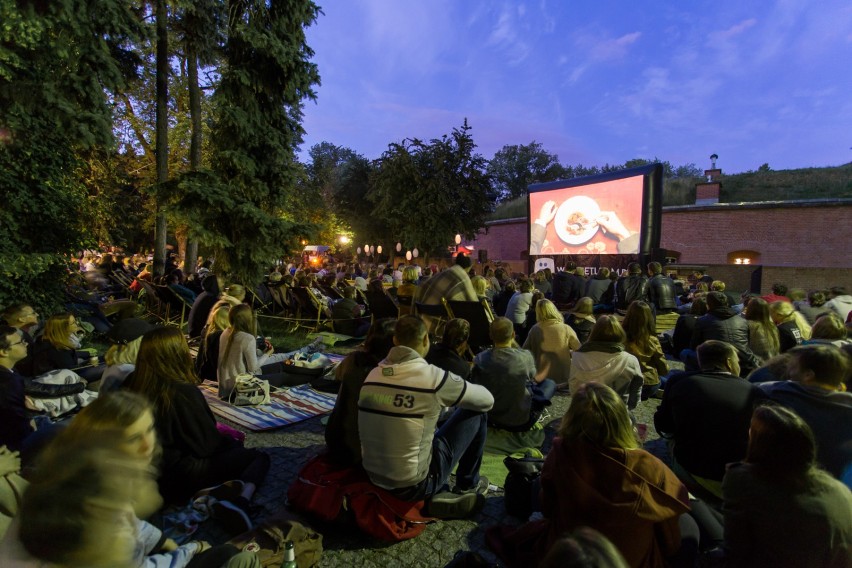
(288, 406)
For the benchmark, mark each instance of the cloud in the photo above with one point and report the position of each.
(593, 50)
(736, 29)
(505, 36)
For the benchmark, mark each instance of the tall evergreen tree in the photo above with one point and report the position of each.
(266, 75)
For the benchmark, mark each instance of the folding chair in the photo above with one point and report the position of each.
(177, 308)
(406, 304)
(435, 317)
(261, 298)
(311, 313)
(478, 315)
(381, 306)
(154, 305)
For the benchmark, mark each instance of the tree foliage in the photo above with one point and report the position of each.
(427, 193)
(515, 167)
(59, 60)
(265, 76)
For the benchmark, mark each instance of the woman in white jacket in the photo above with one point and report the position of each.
(603, 359)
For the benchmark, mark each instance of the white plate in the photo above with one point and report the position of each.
(577, 204)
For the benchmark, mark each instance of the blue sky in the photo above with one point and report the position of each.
(594, 82)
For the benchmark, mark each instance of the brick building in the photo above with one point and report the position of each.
(803, 243)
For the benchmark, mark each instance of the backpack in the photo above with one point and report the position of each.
(521, 486)
(267, 540)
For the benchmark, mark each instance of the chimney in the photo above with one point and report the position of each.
(707, 193)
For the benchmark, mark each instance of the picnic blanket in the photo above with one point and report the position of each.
(501, 443)
(288, 406)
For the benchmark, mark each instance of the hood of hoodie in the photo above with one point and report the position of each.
(210, 284)
(400, 354)
(621, 482)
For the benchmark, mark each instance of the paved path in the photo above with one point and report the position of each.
(290, 447)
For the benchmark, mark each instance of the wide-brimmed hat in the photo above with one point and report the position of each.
(125, 331)
(584, 307)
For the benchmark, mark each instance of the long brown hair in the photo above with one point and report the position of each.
(598, 416)
(241, 318)
(163, 360)
(757, 311)
(57, 330)
(639, 324)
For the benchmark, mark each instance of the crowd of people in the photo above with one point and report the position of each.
(759, 424)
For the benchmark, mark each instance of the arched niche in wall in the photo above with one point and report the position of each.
(744, 257)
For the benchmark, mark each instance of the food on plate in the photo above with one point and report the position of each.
(578, 223)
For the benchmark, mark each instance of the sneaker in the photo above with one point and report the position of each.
(227, 491)
(481, 487)
(233, 518)
(449, 505)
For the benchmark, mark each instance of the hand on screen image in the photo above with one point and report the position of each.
(547, 213)
(610, 223)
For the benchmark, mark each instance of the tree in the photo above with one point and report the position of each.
(266, 75)
(515, 167)
(426, 193)
(55, 111)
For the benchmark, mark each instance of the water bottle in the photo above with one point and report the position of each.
(289, 555)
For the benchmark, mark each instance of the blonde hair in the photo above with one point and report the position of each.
(545, 310)
(123, 354)
(480, 285)
(57, 331)
(784, 311)
(237, 291)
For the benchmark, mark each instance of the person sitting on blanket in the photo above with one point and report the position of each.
(59, 348)
(207, 360)
(86, 497)
(509, 374)
(195, 454)
(125, 335)
(17, 429)
(347, 313)
(398, 410)
(341, 432)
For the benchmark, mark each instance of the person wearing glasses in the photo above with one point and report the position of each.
(16, 427)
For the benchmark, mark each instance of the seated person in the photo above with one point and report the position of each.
(706, 416)
(815, 392)
(207, 360)
(22, 317)
(211, 289)
(450, 284)
(59, 348)
(581, 318)
(120, 358)
(175, 281)
(398, 410)
(519, 304)
(793, 329)
(195, 454)
(448, 354)
(603, 359)
(509, 374)
(341, 432)
(347, 313)
(780, 509)
(551, 342)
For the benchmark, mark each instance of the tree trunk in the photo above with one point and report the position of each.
(162, 135)
(195, 141)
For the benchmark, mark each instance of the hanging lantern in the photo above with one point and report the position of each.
(458, 240)
(372, 249)
(408, 255)
(379, 249)
(359, 250)
(415, 253)
(398, 247)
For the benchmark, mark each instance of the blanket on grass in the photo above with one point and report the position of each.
(288, 406)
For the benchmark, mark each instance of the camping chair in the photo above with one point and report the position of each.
(406, 304)
(434, 316)
(381, 306)
(177, 308)
(478, 315)
(311, 313)
(154, 306)
(281, 305)
(261, 298)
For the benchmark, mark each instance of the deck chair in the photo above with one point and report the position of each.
(261, 298)
(281, 304)
(381, 306)
(478, 315)
(434, 316)
(406, 304)
(310, 313)
(177, 308)
(154, 306)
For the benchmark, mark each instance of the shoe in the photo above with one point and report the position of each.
(227, 491)
(448, 505)
(233, 518)
(481, 487)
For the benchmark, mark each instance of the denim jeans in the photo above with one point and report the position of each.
(460, 442)
(542, 393)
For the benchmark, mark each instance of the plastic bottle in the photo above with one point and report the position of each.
(289, 555)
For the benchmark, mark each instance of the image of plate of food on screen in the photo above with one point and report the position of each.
(575, 219)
